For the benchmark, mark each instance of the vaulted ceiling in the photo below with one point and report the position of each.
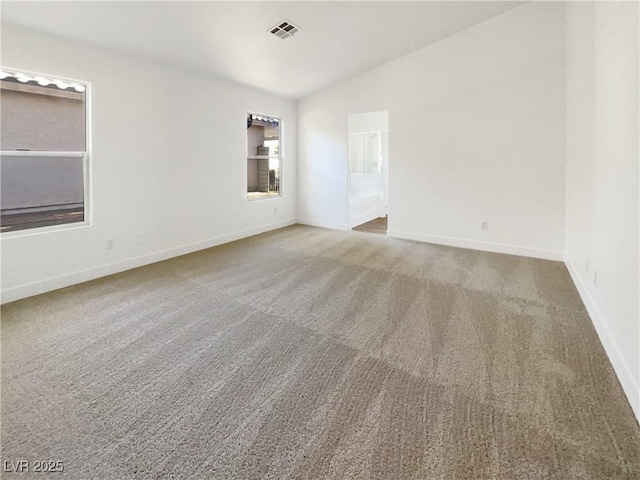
(337, 40)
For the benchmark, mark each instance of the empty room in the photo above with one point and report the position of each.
(320, 240)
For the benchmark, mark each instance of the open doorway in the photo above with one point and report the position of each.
(368, 181)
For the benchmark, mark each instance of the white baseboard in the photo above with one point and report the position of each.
(43, 286)
(476, 245)
(321, 224)
(628, 382)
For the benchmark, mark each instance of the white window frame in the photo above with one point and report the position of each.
(280, 156)
(85, 155)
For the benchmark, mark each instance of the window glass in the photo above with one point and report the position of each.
(263, 156)
(39, 114)
(44, 158)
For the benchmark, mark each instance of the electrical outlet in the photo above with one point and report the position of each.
(109, 243)
(595, 278)
(484, 225)
(143, 237)
(275, 211)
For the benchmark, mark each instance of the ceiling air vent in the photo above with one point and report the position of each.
(284, 29)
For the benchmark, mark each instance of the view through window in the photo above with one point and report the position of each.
(263, 156)
(44, 151)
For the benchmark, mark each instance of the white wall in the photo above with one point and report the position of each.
(368, 122)
(477, 133)
(602, 176)
(168, 161)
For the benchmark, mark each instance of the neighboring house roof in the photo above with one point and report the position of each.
(262, 120)
(40, 81)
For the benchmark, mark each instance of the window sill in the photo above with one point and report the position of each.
(253, 196)
(48, 229)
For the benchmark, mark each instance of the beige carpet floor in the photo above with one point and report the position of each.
(307, 353)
